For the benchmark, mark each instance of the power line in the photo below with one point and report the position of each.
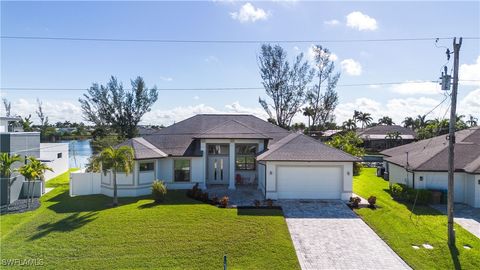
(218, 41)
(216, 88)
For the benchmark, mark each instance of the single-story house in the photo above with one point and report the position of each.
(381, 137)
(424, 165)
(234, 150)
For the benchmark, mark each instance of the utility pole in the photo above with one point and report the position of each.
(451, 141)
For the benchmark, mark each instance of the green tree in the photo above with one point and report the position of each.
(26, 123)
(365, 119)
(6, 170)
(323, 104)
(386, 120)
(115, 160)
(472, 121)
(409, 122)
(351, 143)
(112, 105)
(349, 124)
(284, 83)
(33, 170)
(393, 139)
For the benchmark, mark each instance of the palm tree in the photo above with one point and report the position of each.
(386, 121)
(308, 112)
(356, 115)
(393, 136)
(349, 124)
(115, 159)
(420, 121)
(365, 119)
(32, 170)
(472, 121)
(6, 162)
(409, 122)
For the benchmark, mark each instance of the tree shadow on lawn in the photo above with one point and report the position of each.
(177, 197)
(70, 223)
(259, 212)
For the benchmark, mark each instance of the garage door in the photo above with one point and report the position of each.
(296, 182)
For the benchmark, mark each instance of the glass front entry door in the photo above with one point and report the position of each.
(218, 169)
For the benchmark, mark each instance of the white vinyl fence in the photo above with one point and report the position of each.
(84, 183)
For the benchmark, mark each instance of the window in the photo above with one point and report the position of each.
(146, 166)
(181, 170)
(245, 157)
(59, 155)
(218, 149)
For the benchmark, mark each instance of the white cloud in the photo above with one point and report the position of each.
(470, 104)
(332, 22)
(311, 54)
(196, 97)
(212, 59)
(56, 111)
(417, 88)
(249, 13)
(351, 67)
(470, 72)
(360, 21)
(166, 79)
(235, 107)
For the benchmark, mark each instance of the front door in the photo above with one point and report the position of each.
(218, 169)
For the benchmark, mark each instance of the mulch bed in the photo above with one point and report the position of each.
(20, 206)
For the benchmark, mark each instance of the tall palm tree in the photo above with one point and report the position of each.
(420, 121)
(32, 170)
(356, 115)
(472, 121)
(6, 170)
(365, 119)
(349, 124)
(114, 160)
(409, 122)
(385, 120)
(308, 112)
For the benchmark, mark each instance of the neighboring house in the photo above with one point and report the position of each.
(233, 151)
(424, 165)
(328, 134)
(55, 155)
(381, 137)
(7, 124)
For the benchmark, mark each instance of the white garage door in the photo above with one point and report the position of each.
(296, 182)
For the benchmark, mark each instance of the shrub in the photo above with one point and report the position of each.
(371, 201)
(256, 203)
(205, 197)
(357, 168)
(192, 193)
(396, 190)
(159, 190)
(269, 202)
(224, 201)
(424, 196)
(214, 200)
(355, 201)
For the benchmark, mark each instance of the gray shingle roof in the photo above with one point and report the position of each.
(143, 149)
(380, 131)
(432, 154)
(299, 147)
(232, 129)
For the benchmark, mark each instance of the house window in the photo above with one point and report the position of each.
(59, 155)
(245, 157)
(146, 166)
(181, 170)
(218, 149)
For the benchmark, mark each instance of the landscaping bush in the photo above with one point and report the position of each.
(159, 190)
(355, 201)
(402, 192)
(269, 202)
(397, 191)
(424, 196)
(357, 168)
(204, 197)
(371, 201)
(224, 201)
(256, 203)
(214, 201)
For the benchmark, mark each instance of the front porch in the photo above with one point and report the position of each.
(242, 195)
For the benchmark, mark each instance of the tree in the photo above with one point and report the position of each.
(356, 114)
(8, 107)
(349, 124)
(298, 127)
(393, 138)
(420, 121)
(114, 160)
(112, 105)
(351, 143)
(472, 121)
(6, 163)
(365, 119)
(308, 112)
(41, 115)
(33, 170)
(385, 120)
(409, 122)
(285, 84)
(323, 105)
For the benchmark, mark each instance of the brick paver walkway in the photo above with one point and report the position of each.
(328, 235)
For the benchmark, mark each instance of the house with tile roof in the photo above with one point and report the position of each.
(236, 151)
(424, 165)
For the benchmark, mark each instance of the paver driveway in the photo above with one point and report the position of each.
(328, 235)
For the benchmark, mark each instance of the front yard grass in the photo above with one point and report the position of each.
(400, 229)
(86, 233)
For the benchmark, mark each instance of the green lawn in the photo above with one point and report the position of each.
(394, 223)
(85, 233)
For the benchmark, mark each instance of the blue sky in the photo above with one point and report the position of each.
(76, 64)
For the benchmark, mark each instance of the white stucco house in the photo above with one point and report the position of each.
(230, 151)
(14, 141)
(424, 165)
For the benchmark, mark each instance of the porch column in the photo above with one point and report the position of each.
(203, 148)
(231, 180)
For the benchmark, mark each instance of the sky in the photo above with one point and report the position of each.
(53, 64)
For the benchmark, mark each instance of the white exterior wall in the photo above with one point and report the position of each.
(82, 183)
(346, 167)
(397, 174)
(197, 172)
(49, 152)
